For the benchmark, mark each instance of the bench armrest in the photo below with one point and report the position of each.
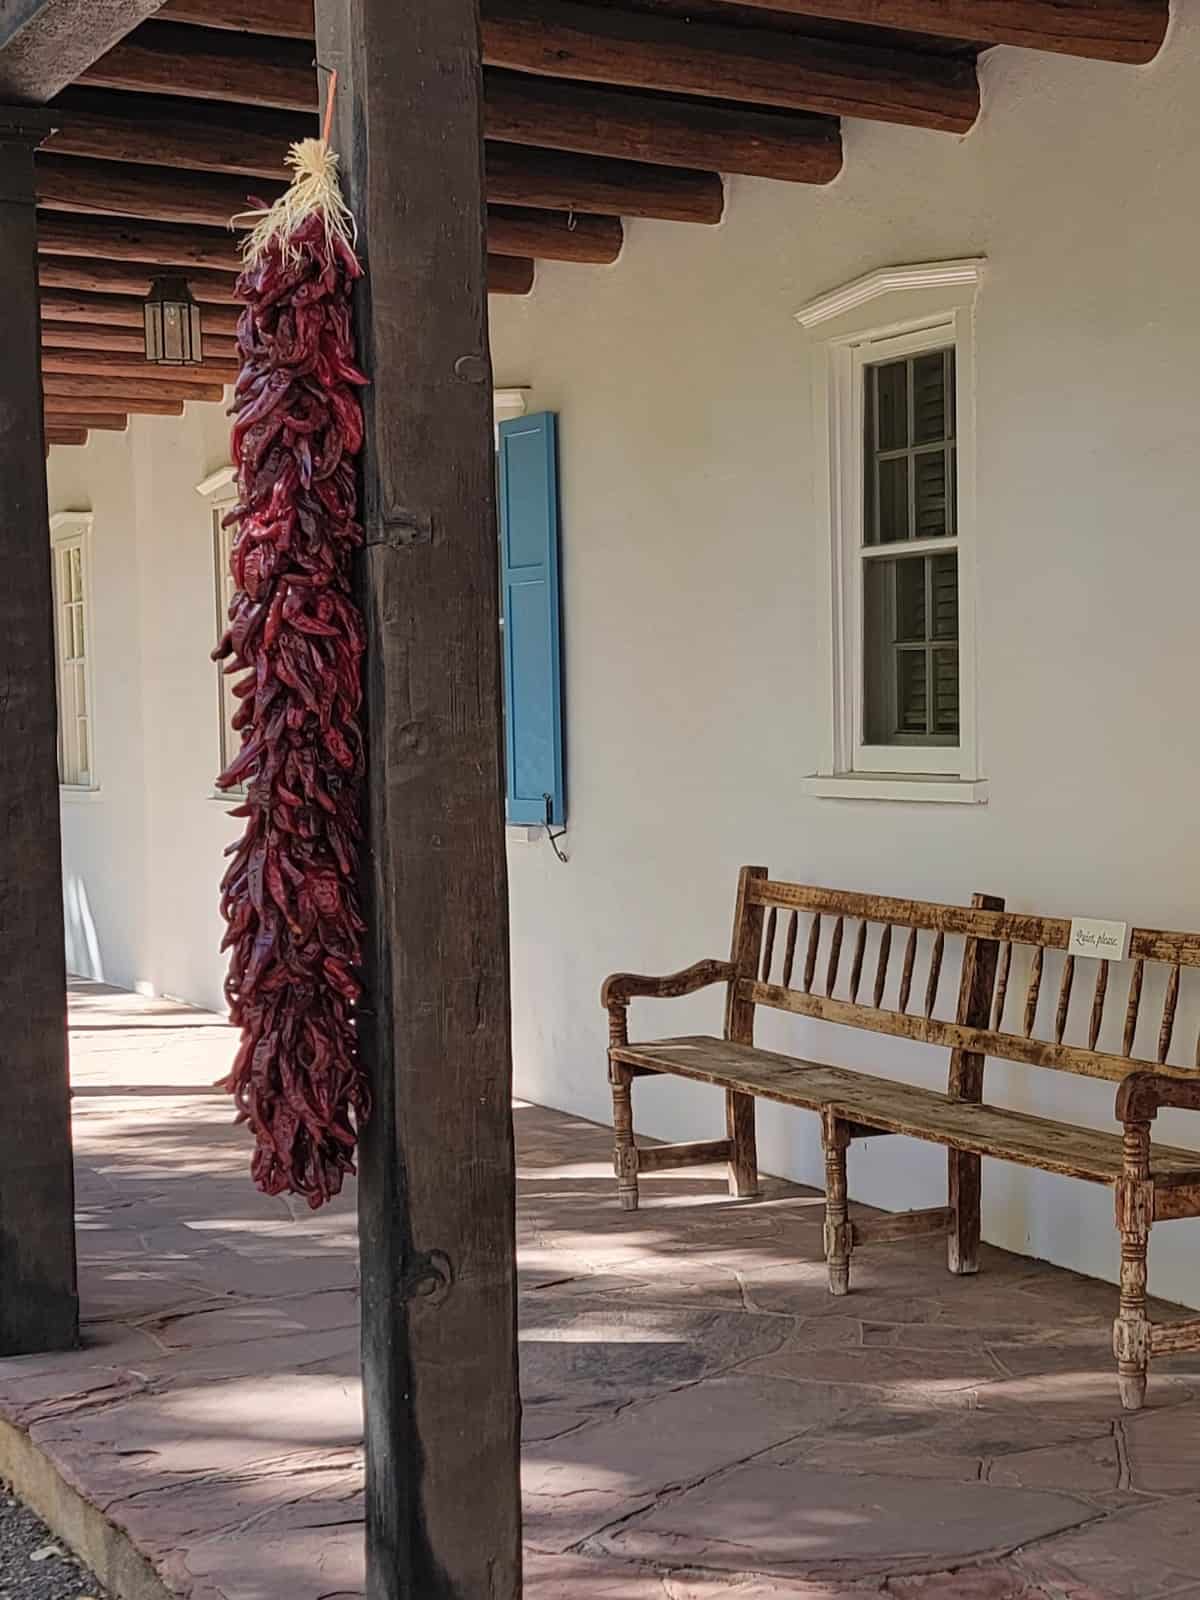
(1142, 1094)
(623, 987)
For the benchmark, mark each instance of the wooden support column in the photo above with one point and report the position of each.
(38, 1305)
(436, 1194)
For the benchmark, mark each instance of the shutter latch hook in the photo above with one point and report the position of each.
(550, 833)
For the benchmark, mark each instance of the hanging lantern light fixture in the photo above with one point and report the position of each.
(173, 329)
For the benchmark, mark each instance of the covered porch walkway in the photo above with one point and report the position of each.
(701, 1420)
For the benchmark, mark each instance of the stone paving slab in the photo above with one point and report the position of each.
(703, 1422)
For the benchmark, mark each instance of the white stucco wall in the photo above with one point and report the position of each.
(693, 606)
(693, 609)
(142, 855)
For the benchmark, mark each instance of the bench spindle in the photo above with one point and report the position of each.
(881, 966)
(1035, 988)
(1098, 1004)
(906, 976)
(1064, 999)
(1002, 984)
(769, 947)
(1166, 1031)
(1136, 979)
(860, 950)
(810, 958)
(789, 954)
(935, 972)
(835, 955)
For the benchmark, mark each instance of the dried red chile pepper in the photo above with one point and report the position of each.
(289, 895)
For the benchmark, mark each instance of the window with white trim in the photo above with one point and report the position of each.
(72, 635)
(896, 407)
(220, 491)
(229, 738)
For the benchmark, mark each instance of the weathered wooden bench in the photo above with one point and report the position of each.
(850, 933)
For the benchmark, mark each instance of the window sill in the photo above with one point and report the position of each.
(79, 794)
(912, 787)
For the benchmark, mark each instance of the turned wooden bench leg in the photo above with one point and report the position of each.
(835, 1135)
(743, 1154)
(965, 1202)
(625, 1156)
(1135, 1214)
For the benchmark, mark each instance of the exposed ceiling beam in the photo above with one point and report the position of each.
(99, 405)
(1105, 30)
(509, 275)
(286, 19)
(544, 179)
(59, 386)
(559, 39)
(795, 146)
(129, 278)
(85, 337)
(556, 236)
(66, 436)
(558, 181)
(90, 309)
(163, 244)
(158, 194)
(114, 365)
(46, 44)
(798, 147)
(161, 131)
(204, 65)
(96, 421)
(641, 50)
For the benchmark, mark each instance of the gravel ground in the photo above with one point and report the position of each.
(33, 1563)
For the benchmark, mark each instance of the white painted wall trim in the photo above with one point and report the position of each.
(509, 403)
(219, 485)
(965, 272)
(68, 527)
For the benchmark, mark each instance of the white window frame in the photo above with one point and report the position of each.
(220, 492)
(72, 530)
(930, 307)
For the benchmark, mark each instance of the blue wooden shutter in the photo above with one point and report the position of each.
(533, 699)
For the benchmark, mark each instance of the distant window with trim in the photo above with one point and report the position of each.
(227, 701)
(71, 631)
(909, 555)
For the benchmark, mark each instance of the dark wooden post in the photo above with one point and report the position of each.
(436, 1197)
(38, 1305)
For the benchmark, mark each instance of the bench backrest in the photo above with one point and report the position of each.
(871, 962)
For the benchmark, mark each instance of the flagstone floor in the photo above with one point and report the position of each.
(702, 1421)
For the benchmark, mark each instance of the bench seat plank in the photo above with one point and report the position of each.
(904, 1108)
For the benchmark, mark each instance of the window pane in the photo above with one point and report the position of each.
(76, 573)
(84, 752)
(930, 399)
(892, 406)
(893, 500)
(911, 691)
(944, 590)
(80, 690)
(909, 580)
(945, 691)
(929, 467)
(910, 650)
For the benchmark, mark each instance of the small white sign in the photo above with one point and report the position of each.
(1102, 941)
